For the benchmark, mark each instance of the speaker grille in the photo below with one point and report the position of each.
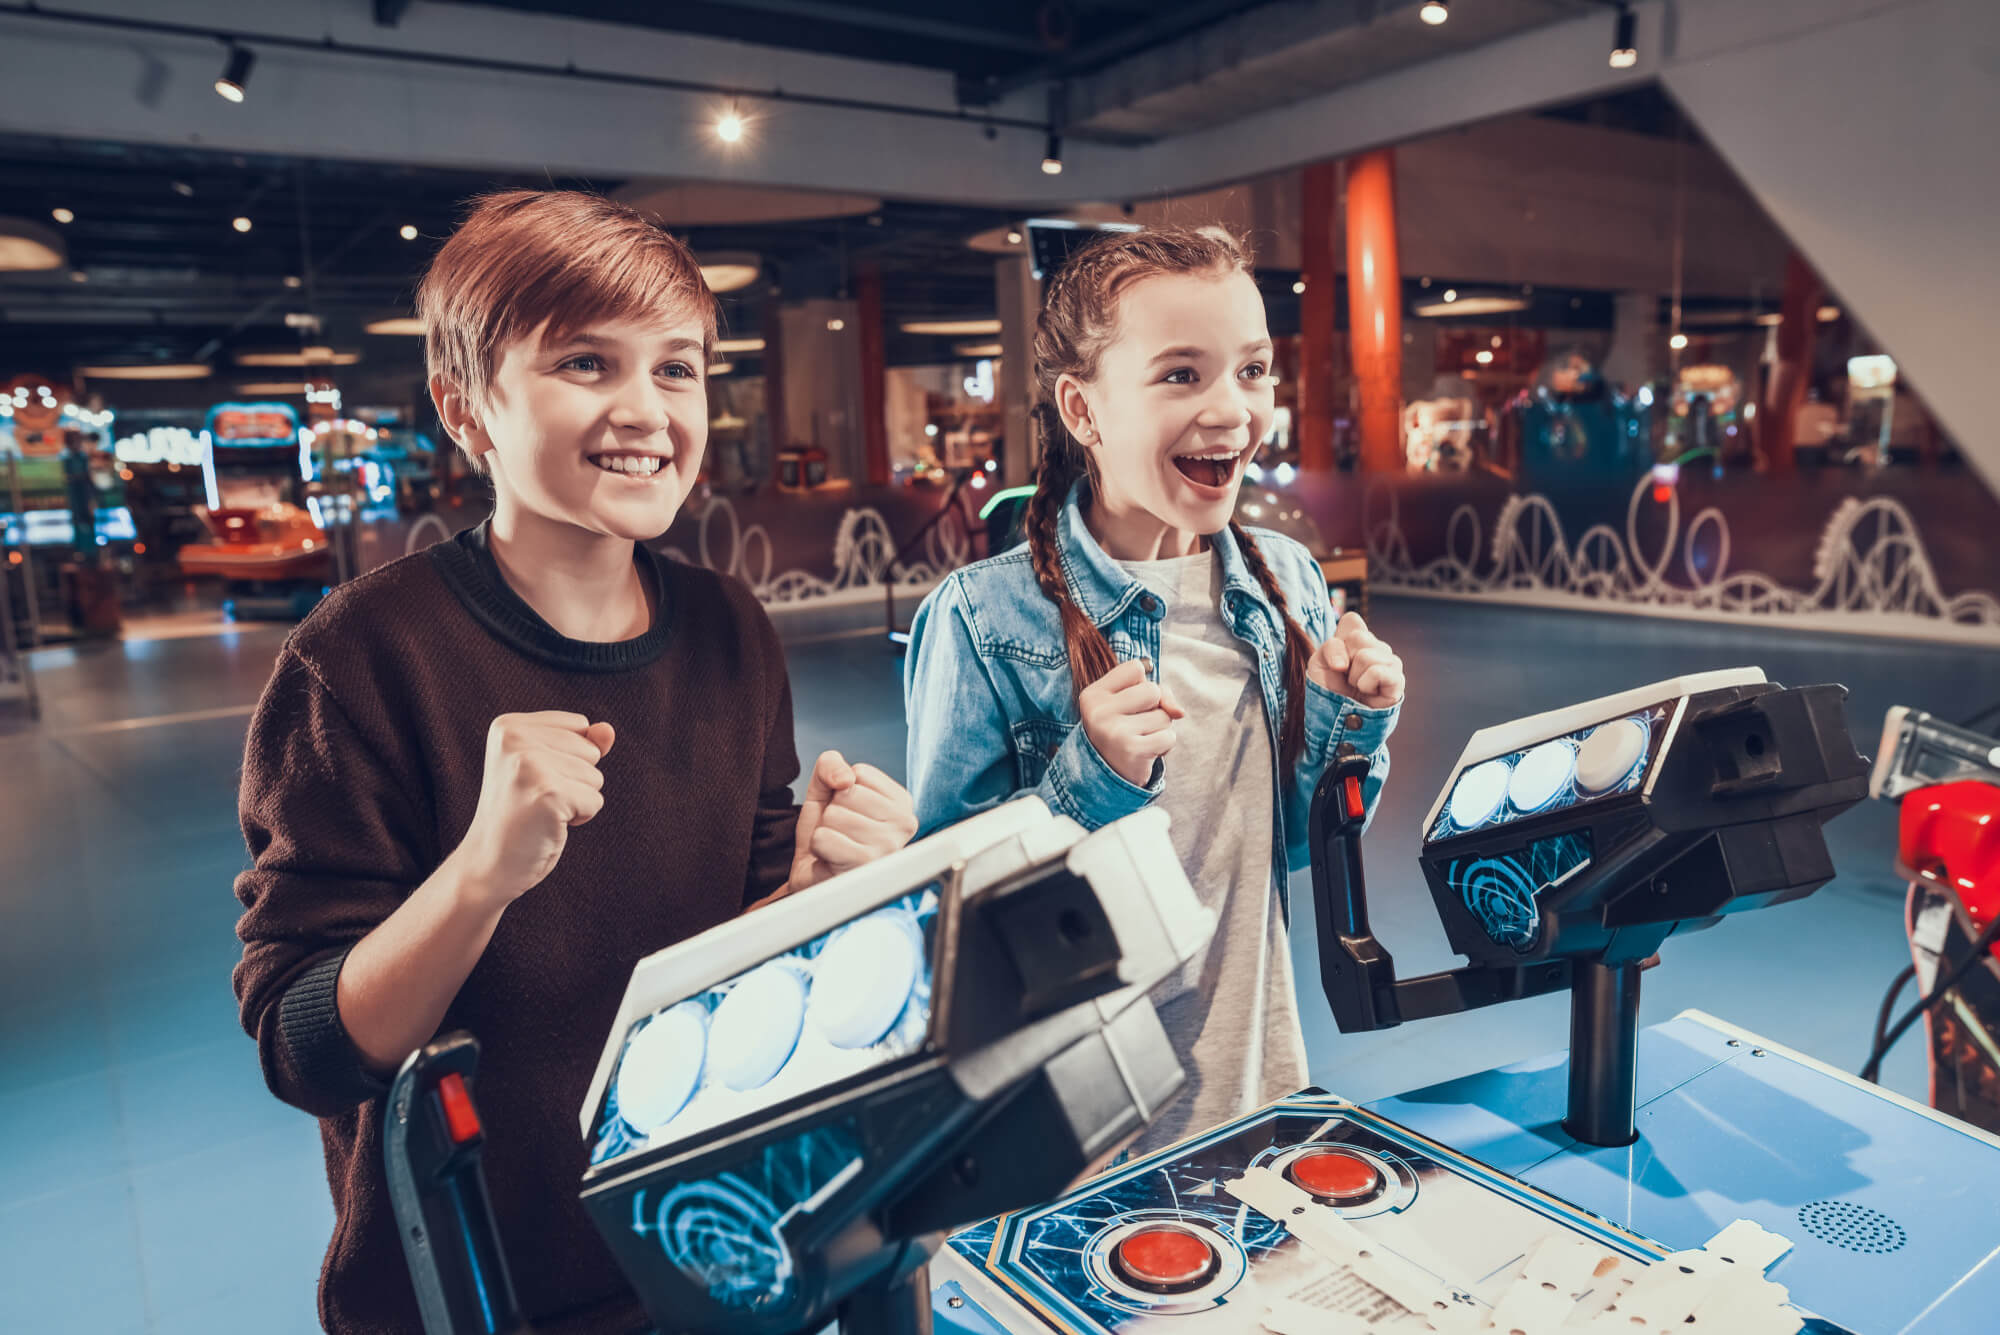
(1853, 1227)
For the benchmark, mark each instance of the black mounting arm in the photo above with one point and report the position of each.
(1356, 971)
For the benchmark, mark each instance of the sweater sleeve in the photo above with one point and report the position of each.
(336, 846)
(775, 826)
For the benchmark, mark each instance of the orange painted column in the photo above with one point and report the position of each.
(1375, 306)
(1320, 190)
(1787, 390)
(874, 393)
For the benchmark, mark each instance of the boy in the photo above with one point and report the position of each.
(487, 779)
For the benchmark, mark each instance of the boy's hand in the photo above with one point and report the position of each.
(1129, 719)
(541, 778)
(1357, 665)
(852, 815)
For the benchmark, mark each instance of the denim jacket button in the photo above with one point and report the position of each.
(1150, 604)
(1353, 721)
(1053, 748)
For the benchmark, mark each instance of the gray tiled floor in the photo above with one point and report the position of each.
(148, 1183)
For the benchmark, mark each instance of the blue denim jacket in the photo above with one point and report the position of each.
(992, 715)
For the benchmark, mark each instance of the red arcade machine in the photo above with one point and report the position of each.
(1946, 777)
(272, 554)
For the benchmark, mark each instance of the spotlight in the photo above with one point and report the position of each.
(1052, 160)
(1451, 294)
(241, 224)
(1828, 314)
(409, 231)
(293, 280)
(1013, 237)
(1677, 342)
(729, 127)
(62, 215)
(1299, 288)
(1434, 12)
(1484, 357)
(235, 74)
(1624, 47)
(835, 325)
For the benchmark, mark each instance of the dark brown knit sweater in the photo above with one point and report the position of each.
(362, 772)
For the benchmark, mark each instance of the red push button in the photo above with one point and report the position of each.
(461, 1119)
(1166, 1259)
(1353, 792)
(1337, 1176)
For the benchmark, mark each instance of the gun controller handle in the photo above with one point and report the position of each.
(1356, 972)
(432, 1147)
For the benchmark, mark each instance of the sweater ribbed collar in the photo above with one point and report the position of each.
(467, 566)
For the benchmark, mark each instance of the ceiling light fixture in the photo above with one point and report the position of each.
(397, 324)
(739, 345)
(62, 215)
(146, 371)
(729, 126)
(1434, 12)
(241, 224)
(1624, 45)
(952, 328)
(235, 73)
(1052, 158)
(409, 231)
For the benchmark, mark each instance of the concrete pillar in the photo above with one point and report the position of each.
(1018, 299)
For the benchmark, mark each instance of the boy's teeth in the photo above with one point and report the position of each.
(625, 463)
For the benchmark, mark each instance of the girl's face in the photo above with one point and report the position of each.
(1181, 400)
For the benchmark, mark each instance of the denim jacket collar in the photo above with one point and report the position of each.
(1104, 589)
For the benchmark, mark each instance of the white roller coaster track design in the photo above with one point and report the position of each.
(1873, 574)
(862, 551)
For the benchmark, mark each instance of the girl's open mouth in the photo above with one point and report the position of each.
(1215, 469)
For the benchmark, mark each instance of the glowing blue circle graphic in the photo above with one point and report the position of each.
(662, 1067)
(1501, 896)
(756, 1028)
(723, 1235)
(864, 978)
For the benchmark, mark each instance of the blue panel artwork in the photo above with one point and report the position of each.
(726, 1232)
(844, 1004)
(1592, 763)
(1501, 891)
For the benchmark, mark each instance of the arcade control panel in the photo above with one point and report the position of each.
(1316, 1217)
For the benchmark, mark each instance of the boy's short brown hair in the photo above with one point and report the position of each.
(524, 258)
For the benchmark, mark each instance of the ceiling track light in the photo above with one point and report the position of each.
(1434, 12)
(1052, 159)
(235, 73)
(1624, 44)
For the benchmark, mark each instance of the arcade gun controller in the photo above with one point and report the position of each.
(1566, 847)
(793, 1108)
(1946, 781)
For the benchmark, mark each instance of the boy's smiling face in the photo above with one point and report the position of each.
(601, 430)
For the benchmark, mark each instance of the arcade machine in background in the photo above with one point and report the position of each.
(1946, 779)
(61, 499)
(270, 550)
(165, 488)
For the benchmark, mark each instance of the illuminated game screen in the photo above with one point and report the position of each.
(1606, 760)
(845, 1004)
(52, 528)
(236, 425)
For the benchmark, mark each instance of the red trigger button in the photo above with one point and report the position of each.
(1353, 796)
(461, 1119)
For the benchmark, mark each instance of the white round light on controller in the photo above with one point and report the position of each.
(755, 1029)
(864, 978)
(1540, 775)
(662, 1066)
(1604, 758)
(1478, 794)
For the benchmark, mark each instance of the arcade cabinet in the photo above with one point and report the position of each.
(270, 551)
(1690, 1176)
(793, 1108)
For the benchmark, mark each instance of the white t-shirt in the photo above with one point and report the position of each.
(1231, 1013)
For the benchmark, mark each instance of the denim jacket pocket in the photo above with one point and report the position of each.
(1036, 740)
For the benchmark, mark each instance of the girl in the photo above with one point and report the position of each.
(1143, 647)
